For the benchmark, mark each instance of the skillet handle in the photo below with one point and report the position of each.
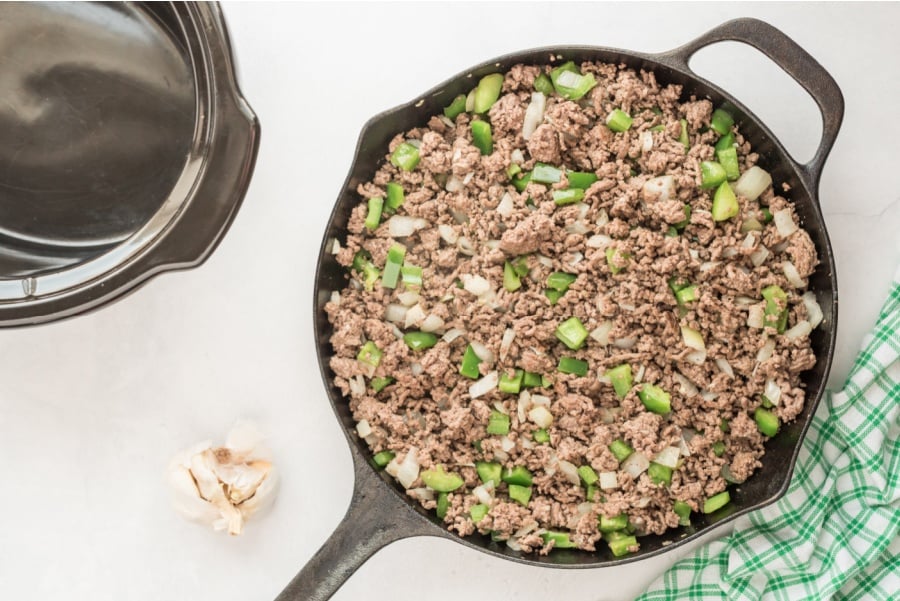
(376, 518)
(796, 62)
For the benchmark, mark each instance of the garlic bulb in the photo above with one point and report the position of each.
(223, 486)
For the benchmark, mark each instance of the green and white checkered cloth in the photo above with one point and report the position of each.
(836, 533)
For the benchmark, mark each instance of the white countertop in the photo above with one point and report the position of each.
(92, 409)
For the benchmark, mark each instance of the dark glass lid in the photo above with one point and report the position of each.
(126, 151)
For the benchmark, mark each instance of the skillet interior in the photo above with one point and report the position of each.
(768, 483)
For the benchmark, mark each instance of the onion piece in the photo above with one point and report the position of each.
(408, 298)
(523, 405)
(668, 457)
(772, 391)
(545, 261)
(759, 256)
(454, 184)
(639, 374)
(601, 332)
(751, 225)
(507, 444)
(749, 241)
(801, 330)
(357, 385)
(696, 357)
(465, 246)
(708, 266)
(483, 352)
(684, 447)
(448, 234)
(602, 217)
(577, 257)
(756, 317)
(517, 156)
(784, 222)
(627, 343)
(407, 471)
(451, 335)
(432, 323)
(534, 114)
(752, 183)
(505, 208)
(659, 189)
(482, 493)
(414, 316)
(766, 352)
(363, 428)
(687, 387)
(792, 275)
(570, 472)
(484, 385)
(501, 408)
(725, 367)
(506, 342)
(635, 464)
(475, 284)
(813, 311)
(744, 301)
(600, 241)
(646, 141)
(708, 396)
(401, 226)
(335, 247)
(577, 227)
(335, 298)
(608, 481)
(541, 416)
(416, 368)
(692, 339)
(539, 399)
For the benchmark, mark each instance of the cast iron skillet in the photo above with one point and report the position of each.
(379, 512)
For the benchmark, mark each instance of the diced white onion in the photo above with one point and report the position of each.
(749, 241)
(534, 114)
(422, 494)
(397, 332)
(772, 391)
(724, 366)
(765, 353)
(639, 374)
(708, 396)
(470, 101)
(813, 311)
(541, 416)
(683, 446)
(484, 385)
(523, 405)
(408, 298)
(414, 316)
(626, 344)
(784, 222)
(708, 265)
(475, 284)
(446, 121)
(694, 253)
(468, 177)
(570, 472)
(692, 338)
(335, 247)
(635, 464)
(357, 385)
(577, 227)
(465, 246)
(363, 428)
(416, 368)
(451, 335)
(500, 407)
(646, 141)
(508, 336)
(608, 414)
(448, 234)
(483, 352)
(744, 301)
(432, 323)
(608, 481)
(539, 399)
(600, 241)
(730, 252)
(526, 443)
(401, 226)
(513, 544)
(545, 261)
(577, 257)
(568, 79)
(756, 317)
(627, 306)
(336, 298)
(602, 217)
(759, 256)
(668, 457)
(752, 183)
(659, 189)
(501, 455)
(506, 444)
(751, 225)
(406, 472)
(517, 156)
(492, 244)
(601, 332)
(792, 275)
(481, 493)
(801, 330)
(696, 357)
(687, 387)
(454, 184)
(505, 208)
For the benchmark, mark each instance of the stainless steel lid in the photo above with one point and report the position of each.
(127, 149)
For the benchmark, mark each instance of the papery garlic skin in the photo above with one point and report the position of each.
(223, 486)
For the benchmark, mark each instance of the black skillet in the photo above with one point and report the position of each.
(379, 513)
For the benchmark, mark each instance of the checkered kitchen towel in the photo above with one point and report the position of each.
(836, 534)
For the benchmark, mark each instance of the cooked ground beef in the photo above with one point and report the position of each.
(628, 245)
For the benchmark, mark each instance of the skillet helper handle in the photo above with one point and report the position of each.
(375, 519)
(796, 62)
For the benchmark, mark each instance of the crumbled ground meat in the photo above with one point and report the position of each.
(627, 247)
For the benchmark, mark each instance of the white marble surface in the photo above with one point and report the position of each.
(91, 409)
